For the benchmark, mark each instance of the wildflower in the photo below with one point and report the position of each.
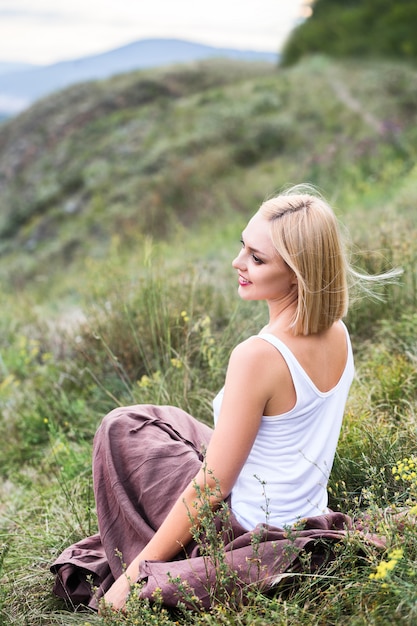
(406, 471)
(206, 321)
(148, 381)
(144, 382)
(384, 568)
(396, 554)
(45, 420)
(8, 381)
(156, 377)
(58, 448)
(185, 316)
(176, 363)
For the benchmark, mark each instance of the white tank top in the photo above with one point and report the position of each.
(285, 476)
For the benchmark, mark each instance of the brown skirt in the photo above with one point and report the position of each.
(143, 458)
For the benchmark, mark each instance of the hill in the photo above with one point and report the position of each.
(21, 88)
(121, 205)
(143, 151)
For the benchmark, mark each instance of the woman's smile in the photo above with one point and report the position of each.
(243, 282)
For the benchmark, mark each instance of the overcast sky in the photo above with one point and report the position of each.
(47, 31)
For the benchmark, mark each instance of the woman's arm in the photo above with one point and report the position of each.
(171, 536)
(247, 389)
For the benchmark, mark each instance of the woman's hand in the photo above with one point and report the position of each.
(117, 595)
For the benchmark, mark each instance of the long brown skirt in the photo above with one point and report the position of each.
(143, 458)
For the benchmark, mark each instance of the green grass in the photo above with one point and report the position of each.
(131, 298)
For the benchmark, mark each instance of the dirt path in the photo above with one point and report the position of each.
(354, 105)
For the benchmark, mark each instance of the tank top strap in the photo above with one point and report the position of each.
(297, 371)
(293, 364)
(279, 345)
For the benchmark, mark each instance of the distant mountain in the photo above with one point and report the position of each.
(21, 88)
(10, 104)
(9, 67)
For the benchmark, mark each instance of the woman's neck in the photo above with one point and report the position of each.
(281, 312)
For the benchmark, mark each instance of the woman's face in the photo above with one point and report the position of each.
(262, 273)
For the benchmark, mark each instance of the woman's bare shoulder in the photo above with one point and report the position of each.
(258, 356)
(253, 347)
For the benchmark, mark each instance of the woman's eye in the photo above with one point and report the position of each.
(255, 258)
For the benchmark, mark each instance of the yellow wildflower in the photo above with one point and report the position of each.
(185, 316)
(385, 567)
(144, 382)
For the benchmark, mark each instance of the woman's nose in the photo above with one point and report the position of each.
(237, 261)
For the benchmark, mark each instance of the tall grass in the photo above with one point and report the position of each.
(161, 333)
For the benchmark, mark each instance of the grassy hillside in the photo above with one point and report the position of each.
(121, 206)
(147, 152)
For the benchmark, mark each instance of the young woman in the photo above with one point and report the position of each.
(277, 419)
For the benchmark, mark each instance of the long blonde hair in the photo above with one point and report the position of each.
(306, 234)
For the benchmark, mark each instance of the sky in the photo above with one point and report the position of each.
(47, 31)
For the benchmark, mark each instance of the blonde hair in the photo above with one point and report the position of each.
(306, 234)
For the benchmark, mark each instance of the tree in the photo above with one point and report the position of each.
(356, 28)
